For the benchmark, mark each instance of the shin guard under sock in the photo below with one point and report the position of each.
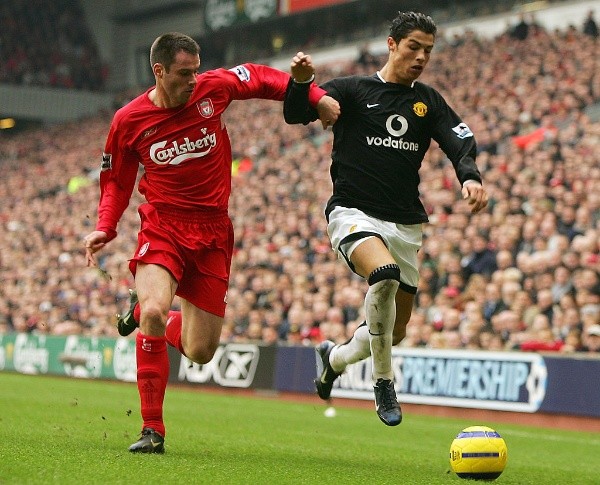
(152, 376)
(380, 309)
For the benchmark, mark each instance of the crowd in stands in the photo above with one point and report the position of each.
(48, 44)
(522, 275)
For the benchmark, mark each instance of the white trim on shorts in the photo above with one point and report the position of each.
(402, 240)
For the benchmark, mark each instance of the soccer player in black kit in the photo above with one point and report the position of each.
(374, 216)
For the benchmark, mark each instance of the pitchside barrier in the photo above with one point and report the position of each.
(524, 382)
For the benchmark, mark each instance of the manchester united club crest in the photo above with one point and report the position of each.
(205, 107)
(420, 109)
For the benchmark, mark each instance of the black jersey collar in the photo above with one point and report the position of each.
(380, 77)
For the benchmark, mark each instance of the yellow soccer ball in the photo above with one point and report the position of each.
(478, 453)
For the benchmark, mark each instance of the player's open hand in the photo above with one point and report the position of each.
(94, 241)
(329, 111)
(302, 67)
(476, 195)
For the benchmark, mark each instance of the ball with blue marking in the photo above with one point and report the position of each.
(478, 453)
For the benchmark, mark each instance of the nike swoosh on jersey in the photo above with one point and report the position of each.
(372, 105)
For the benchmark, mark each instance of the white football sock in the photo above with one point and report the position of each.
(380, 309)
(355, 350)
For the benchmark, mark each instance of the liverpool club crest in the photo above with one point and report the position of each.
(205, 107)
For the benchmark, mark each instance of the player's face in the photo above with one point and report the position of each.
(410, 56)
(179, 81)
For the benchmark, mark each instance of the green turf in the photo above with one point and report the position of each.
(69, 431)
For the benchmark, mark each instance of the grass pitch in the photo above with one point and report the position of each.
(70, 431)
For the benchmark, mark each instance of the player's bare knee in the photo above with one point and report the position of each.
(200, 352)
(153, 319)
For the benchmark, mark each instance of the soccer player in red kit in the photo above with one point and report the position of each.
(176, 131)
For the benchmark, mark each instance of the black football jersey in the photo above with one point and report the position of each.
(380, 140)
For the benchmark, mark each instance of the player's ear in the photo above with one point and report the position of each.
(391, 44)
(158, 69)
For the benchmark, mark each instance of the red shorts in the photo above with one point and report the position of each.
(195, 247)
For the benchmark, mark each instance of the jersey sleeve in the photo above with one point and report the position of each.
(118, 174)
(456, 140)
(248, 81)
(298, 106)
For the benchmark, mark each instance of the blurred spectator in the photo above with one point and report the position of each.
(590, 27)
(366, 59)
(572, 342)
(481, 260)
(561, 284)
(493, 303)
(540, 337)
(521, 30)
(507, 325)
(545, 304)
(590, 315)
(591, 339)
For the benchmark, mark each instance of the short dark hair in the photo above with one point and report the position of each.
(165, 48)
(407, 22)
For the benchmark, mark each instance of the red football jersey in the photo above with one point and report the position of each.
(185, 151)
